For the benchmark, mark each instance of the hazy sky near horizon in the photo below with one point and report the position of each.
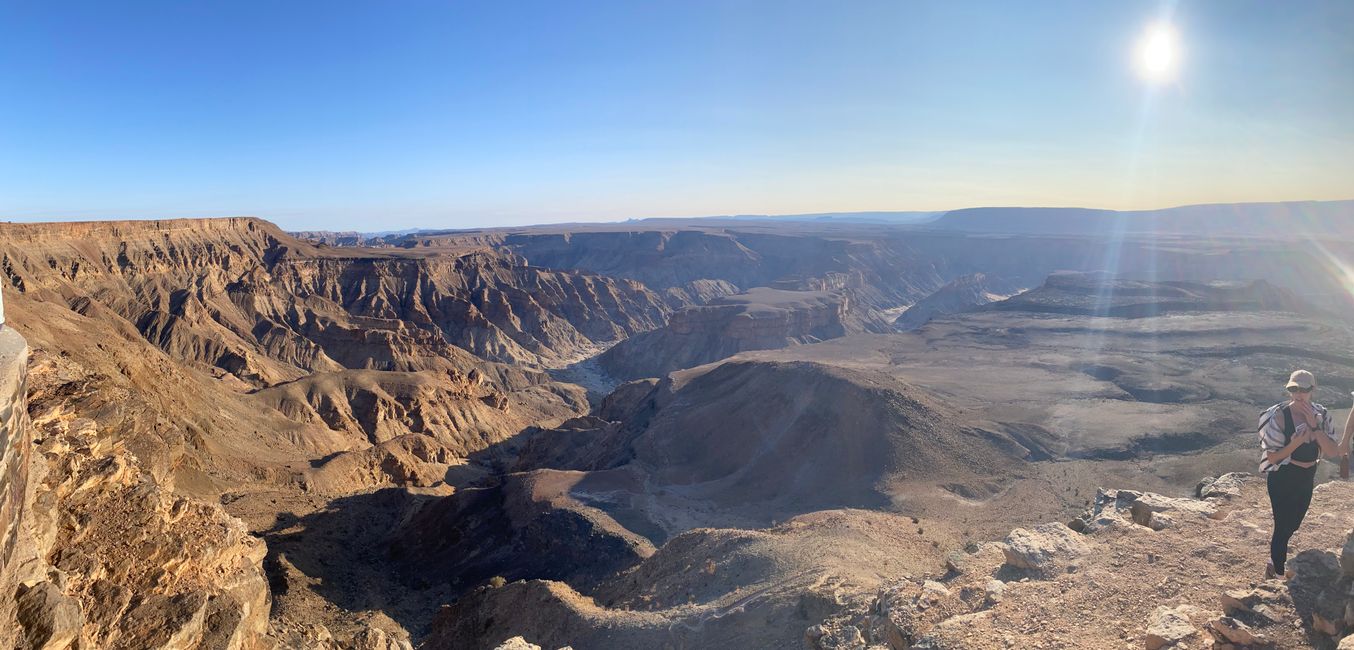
(388, 115)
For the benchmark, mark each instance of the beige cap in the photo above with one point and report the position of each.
(1301, 379)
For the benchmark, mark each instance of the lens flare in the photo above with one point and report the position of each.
(1157, 57)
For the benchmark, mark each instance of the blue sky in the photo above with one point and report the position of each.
(387, 115)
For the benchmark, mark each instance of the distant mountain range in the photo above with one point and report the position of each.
(1291, 219)
(1288, 219)
(897, 218)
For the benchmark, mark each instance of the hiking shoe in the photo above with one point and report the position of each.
(1270, 573)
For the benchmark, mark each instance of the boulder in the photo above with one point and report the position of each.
(1264, 601)
(1326, 626)
(1223, 487)
(1158, 512)
(1111, 509)
(994, 592)
(985, 558)
(934, 591)
(374, 638)
(1347, 555)
(1046, 549)
(1229, 630)
(517, 643)
(1170, 627)
(50, 619)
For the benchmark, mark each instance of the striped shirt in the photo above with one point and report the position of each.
(1271, 431)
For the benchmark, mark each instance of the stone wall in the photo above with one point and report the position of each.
(16, 445)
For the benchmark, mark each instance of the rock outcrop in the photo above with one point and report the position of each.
(16, 459)
(146, 568)
(97, 554)
(962, 294)
(717, 588)
(760, 319)
(1194, 582)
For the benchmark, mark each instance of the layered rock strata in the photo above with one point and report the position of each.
(760, 319)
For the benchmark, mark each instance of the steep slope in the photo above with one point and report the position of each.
(770, 439)
(465, 413)
(759, 319)
(716, 588)
(139, 323)
(744, 443)
(97, 554)
(738, 445)
(223, 360)
(241, 296)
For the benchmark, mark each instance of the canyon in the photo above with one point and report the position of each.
(667, 433)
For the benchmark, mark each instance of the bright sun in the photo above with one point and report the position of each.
(1158, 54)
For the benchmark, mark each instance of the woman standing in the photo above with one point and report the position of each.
(1295, 435)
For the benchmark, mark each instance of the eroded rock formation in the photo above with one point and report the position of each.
(962, 294)
(760, 319)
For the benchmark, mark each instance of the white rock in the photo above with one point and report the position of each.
(517, 643)
(1045, 549)
(1225, 486)
(1169, 627)
(934, 591)
(1149, 505)
(995, 590)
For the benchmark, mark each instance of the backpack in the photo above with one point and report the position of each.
(1307, 451)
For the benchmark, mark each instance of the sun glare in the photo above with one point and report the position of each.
(1158, 54)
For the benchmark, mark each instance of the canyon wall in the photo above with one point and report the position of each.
(16, 446)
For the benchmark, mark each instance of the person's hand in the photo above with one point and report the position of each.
(1305, 411)
(1303, 435)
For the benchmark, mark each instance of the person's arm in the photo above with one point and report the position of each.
(1349, 432)
(1329, 448)
(1271, 438)
(1325, 437)
(1277, 456)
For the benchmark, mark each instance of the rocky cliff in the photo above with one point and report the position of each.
(16, 455)
(244, 297)
(305, 350)
(181, 364)
(759, 319)
(878, 271)
(96, 553)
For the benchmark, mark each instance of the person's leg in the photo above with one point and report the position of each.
(1282, 502)
(1299, 494)
(1304, 484)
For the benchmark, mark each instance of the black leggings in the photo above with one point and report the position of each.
(1290, 493)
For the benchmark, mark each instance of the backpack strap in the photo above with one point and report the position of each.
(1289, 428)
